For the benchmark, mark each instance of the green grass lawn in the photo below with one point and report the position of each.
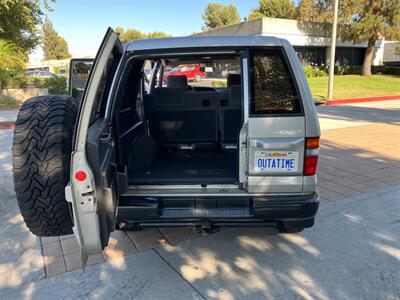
(355, 86)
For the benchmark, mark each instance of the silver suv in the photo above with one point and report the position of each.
(146, 147)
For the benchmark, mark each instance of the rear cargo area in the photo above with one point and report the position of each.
(177, 166)
(187, 130)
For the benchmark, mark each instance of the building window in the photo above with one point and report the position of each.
(311, 55)
(349, 56)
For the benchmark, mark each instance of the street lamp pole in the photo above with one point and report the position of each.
(333, 48)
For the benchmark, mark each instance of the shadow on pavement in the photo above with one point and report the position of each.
(351, 253)
(21, 259)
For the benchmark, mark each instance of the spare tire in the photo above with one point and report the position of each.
(41, 163)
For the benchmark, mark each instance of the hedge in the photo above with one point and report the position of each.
(55, 85)
(316, 71)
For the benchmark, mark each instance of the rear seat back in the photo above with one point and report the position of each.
(179, 116)
(177, 81)
(231, 111)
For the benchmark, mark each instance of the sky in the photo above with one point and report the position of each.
(84, 22)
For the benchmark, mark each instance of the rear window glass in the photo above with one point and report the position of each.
(202, 73)
(272, 86)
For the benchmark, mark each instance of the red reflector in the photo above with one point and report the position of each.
(80, 176)
(310, 165)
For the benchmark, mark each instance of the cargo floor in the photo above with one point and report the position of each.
(201, 166)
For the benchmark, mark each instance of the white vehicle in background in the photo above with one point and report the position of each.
(39, 73)
(230, 70)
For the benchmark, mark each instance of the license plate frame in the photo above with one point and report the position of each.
(276, 161)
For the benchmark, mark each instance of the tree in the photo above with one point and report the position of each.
(217, 15)
(315, 11)
(12, 61)
(12, 58)
(275, 9)
(370, 20)
(19, 20)
(54, 46)
(157, 35)
(130, 35)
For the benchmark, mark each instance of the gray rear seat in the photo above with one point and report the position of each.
(231, 111)
(179, 116)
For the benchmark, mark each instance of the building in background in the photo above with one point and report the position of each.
(58, 67)
(390, 57)
(310, 40)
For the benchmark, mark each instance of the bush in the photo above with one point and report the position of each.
(387, 70)
(8, 102)
(4, 77)
(219, 83)
(314, 71)
(320, 71)
(348, 70)
(56, 85)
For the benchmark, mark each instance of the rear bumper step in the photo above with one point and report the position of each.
(206, 213)
(180, 210)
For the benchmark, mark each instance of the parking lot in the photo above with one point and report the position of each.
(353, 251)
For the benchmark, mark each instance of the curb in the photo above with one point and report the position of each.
(360, 100)
(7, 125)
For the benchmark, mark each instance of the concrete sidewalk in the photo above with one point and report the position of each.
(351, 253)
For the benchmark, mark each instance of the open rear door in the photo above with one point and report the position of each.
(93, 189)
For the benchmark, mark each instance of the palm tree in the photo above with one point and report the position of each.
(12, 58)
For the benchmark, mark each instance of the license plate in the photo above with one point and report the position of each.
(276, 161)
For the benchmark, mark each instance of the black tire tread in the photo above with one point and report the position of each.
(41, 150)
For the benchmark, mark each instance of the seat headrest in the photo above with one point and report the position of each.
(233, 79)
(177, 81)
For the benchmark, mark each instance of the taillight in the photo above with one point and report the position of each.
(312, 143)
(310, 165)
(311, 156)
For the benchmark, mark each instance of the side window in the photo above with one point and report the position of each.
(105, 84)
(272, 86)
(128, 114)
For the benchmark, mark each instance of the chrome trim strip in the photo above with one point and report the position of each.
(277, 144)
(243, 141)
